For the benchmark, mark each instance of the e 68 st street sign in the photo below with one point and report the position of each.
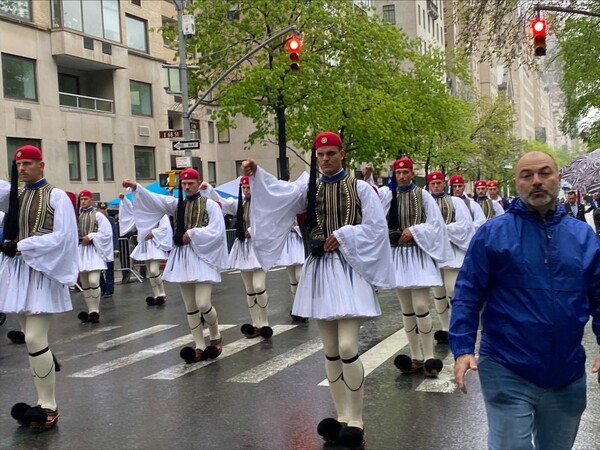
(186, 145)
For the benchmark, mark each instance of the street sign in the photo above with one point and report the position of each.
(181, 162)
(167, 134)
(186, 145)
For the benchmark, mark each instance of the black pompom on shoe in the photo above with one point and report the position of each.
(94, 317)
(432, 367)
(18, 411)
(352, 437)
(250, 331)
(84, 317)
(150, 301)
(36, 417)
(441, 337)
(17, 337)
(329, 429)
(159, 301)
(266, 332)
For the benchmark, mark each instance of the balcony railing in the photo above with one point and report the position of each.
(102, 105)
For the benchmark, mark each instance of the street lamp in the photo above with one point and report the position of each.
(507, 168)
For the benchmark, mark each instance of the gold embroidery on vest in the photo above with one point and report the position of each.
(36, 216)
(447, 208)
(86, 223)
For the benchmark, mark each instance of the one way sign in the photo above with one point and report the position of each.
(186, 145)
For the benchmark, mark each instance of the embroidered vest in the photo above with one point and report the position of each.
(447, 208)
(410, 208)
(487, 206)
(36, 216)
(86, 223)
(196, 215)
(337, 205)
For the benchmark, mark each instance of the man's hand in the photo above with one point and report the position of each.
(121, 196)
(249, 167)
(247, 234)
(596, 367)
(117, 253)
(406, 236)
(127, 183)
(204, 185)
(462, 365)
(331, 243)
(149, 236)
(85, 240)
(186, 238)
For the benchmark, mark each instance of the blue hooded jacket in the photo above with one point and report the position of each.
(536, 282)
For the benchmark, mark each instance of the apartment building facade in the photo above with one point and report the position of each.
(84, 80)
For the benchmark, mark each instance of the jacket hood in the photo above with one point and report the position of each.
(518, 207)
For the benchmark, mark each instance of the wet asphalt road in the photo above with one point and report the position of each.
(123, 385)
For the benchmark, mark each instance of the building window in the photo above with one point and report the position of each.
(91, 168)
(17, 8)
(18, 75)
(224, 135)
(211, 132)
(238, 168)
(73, 150)
(144, 163)
(137, 33)
(136, 2)
(141, 98)
(212, 173)
(389, 14)
(100, 18)
(419, 13)
(12, 144)
(107, 162)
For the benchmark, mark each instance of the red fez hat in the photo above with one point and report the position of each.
(244, 180)
(480, 183)
(190, 174)
(85, 193)
(492, 183)
(457, 179)
(28, 152)
(327, 138)
(435, 176)
(403, 163)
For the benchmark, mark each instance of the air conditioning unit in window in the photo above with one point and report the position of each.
(144, 131)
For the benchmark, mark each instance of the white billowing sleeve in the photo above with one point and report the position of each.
(366, 246)
(228, 205)
(162, 236)
(275, 204)
(385, 196)
(210, 242)
(431, 236)
(4, 195)
(498, 210)
(149, 209)
(103, 238)
(126, 217)
(461, 231)
(478, 215)
(55, 254)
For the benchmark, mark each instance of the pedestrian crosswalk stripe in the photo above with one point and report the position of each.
(279, 363)
(138, 356)
(379, 354)
(444, 383)
(180, 370)
(88, 333)
(133, 336)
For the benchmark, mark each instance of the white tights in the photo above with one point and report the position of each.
(415, 314)
(90, 283)
(196, 297)
(256, 296)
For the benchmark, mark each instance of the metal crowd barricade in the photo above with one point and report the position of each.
(125, 259)
(230, 237)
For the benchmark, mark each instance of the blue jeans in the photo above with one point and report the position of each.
(523, 416)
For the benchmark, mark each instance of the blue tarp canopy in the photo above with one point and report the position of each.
(226, 190)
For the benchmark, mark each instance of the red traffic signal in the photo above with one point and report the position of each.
(539, 29)
(294, 45)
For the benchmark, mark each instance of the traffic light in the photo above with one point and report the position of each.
(169, 179)
(538, 28)
(293, 45)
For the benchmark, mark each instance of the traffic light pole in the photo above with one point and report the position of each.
(538, 8)
(240, 61)
(183, 78)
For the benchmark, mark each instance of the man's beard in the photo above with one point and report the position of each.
(549, 197)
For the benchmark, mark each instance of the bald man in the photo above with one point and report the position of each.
(531, 362)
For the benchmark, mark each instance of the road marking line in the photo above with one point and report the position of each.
(133, 336)
(137, 356)
(379, 354)
(444, 383)
(89, 333)
(278, 363)
(179, 370)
